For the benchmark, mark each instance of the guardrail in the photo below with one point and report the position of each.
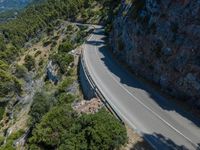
(100, 95)
(97, 91)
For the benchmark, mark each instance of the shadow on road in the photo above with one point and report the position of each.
(128, 79)
(157, 138)
(95, 43)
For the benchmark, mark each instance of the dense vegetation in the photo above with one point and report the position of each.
(60, 127)
(9, 84)
(36, 18)
(54, 124)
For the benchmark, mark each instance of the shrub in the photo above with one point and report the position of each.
(65, 47)
(1, 140)
(46, 43)
(62, 129)
(3, 65)
(63, 60)
(37, 53)
(64, 84)
(42, 102)
(8, 84)
(29, 62)
(2, 109)
(20, 71)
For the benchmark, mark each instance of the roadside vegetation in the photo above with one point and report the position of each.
(37, 78)
(58, 126)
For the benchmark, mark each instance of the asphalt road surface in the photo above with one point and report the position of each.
(163, 124)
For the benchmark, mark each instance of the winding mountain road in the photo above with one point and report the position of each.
(163, 124)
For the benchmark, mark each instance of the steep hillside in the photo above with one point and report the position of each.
(39, 53)
(160, 41)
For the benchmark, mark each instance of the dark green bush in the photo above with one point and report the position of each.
(21, 71)
(67, 46)
(29, 62)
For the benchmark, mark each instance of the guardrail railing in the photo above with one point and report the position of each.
(97, 91)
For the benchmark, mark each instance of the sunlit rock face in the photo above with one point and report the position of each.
(160, 40)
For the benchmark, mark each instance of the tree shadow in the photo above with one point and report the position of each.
(97, 43)
(126, 78)
(160, 141)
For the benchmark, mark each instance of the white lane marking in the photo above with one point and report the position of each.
(132, 125)
(145, 105)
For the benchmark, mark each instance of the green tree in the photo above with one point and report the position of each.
(20, 71)
(9, 84)
(62, 129)
(63, 60)
(29, 62)
(65, 47)
(42, 103)
(53, 126)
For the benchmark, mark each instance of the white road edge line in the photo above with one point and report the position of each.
(147, 106)
(125, 119)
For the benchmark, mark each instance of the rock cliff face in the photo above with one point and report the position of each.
(160, 40)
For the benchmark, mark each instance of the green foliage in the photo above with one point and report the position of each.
(16, 135)
(8, 146)
(37, 17)
(46, 43)
(1, 140)
(41, 16)
(2, 43)
(53, 126)
(20, 71)
(37, 53)
(80, 37)
(67, 46)
(63, 60)
(62, 87)
(29, 62)
(9, 54)
(8, 84)
(108, 28)
(65, 98)
(62, 129)
(10, 140)
(70, 28)
(2, 109)
(3, 66)
(42, 103)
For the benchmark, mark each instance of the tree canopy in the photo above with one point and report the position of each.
(62, 129)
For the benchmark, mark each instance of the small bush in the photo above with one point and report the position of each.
(21, 71)
(2, 110)
(65, 47)
(29, 62)
(37, 53)
(46, 43)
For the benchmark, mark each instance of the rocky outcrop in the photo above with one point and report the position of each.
(160, 40)
(52, 72)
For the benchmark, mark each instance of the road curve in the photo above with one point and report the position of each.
(161, 123)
